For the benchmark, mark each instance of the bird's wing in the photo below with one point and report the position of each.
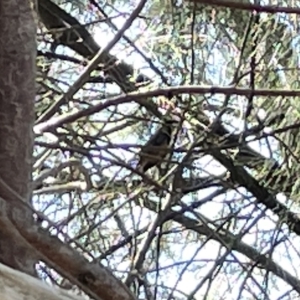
(161, 137)
(155, 150)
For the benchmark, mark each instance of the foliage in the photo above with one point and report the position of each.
(223, 223)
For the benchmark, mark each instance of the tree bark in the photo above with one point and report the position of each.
(15, 285)
(17, 93)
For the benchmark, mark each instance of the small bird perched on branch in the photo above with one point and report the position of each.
(156, 149)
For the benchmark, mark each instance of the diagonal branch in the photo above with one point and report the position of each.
(76, 37)
(92, 278)
(232, 242)
(242, 177)
(99, 57)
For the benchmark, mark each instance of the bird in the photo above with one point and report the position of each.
(158, 146)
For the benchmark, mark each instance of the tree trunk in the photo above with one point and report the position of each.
(17, 93)
(15, 285)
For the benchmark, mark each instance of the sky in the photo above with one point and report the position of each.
(211, 209)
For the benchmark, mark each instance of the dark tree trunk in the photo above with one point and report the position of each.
(17, 93)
